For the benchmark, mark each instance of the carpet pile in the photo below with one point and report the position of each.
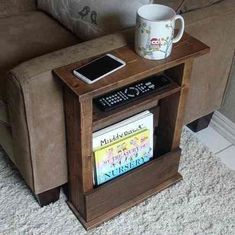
(202, 203)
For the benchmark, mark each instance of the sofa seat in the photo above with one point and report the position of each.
(24, 37)
(27, 36)
(3, 114)
(5, 131)
(215, 27)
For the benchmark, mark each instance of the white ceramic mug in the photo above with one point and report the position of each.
(155, 31)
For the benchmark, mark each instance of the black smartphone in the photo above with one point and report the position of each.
(99, 68)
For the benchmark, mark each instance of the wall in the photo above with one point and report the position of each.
(228, 105)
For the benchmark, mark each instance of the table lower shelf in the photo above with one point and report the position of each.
(110, 199)
(112, 213)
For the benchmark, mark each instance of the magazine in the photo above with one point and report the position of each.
(122, 147)
(122, 129)
(122, 156)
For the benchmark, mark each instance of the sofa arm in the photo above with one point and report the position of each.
(212, 25)
(36, 111)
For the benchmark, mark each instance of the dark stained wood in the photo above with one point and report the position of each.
(78, 131)
(137, 67)
(176, 73)
(167, 119)
(185, 83)
(125, 188)
(93, 205)
(102, 119)
(172, 110)
(200, 123)
(155, 111)
(48, 197)
(140, 198)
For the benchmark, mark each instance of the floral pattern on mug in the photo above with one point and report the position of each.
(153, 44)
(143, 27)
(154, 33)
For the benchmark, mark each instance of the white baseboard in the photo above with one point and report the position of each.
(224, 126)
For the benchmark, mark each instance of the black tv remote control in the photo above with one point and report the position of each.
(133, 92)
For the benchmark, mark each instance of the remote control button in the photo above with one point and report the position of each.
(123, 95)
(132, 92)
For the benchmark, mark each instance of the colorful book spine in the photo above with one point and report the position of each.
(121, 156)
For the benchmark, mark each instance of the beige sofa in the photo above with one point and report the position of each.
(32, 130)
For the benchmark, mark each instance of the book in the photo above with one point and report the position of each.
(122, 129)
(117, 158)
(122, 147)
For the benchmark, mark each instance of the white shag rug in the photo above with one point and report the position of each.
(202, 203)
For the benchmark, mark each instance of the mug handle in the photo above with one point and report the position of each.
(181, 30)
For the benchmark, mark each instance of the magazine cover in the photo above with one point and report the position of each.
(123, 129)
(122, 156)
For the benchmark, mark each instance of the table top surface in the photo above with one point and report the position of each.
(136, 67)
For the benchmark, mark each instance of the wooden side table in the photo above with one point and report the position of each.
(93, 205)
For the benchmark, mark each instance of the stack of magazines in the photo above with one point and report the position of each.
(122, 147)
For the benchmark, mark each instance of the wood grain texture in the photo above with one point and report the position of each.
(172, 110)
(185, 84)
(125, 206)
(127, 187)
(102, 119)
(78, 133)
(137, 67)
(93, 205)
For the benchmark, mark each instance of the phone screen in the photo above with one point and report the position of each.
(99, 67)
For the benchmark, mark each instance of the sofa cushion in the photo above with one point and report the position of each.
(189, 5)
(93, 18)
(170, 3)
(36, 111)
(29, 35)
(197, 4)
(14, 7)
(213, 26)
